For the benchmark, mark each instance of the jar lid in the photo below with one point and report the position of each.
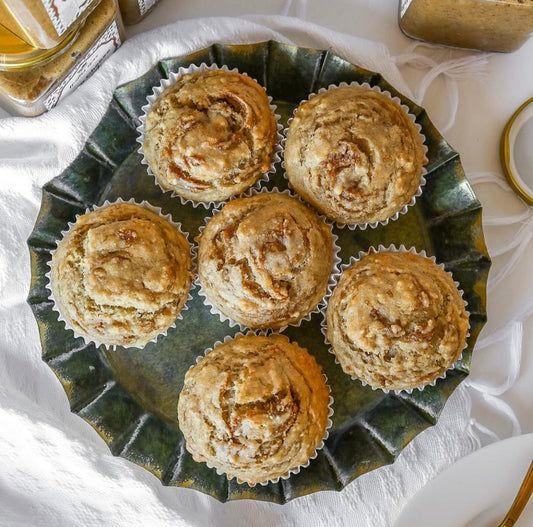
(516, 153)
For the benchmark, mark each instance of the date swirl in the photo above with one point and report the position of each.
(265, 260)
(121, 275)
(210, 135)
(354, 154)
(396, 320)
(255, 407)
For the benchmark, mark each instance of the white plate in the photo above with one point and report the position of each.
(478, 489)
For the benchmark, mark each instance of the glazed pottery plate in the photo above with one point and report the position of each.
(129, 396)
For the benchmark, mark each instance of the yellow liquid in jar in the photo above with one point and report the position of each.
(10, 43)
(44, 27)
(15, 53)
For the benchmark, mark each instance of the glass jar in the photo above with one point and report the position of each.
(44, 24)
(33, 90)
(490, 25)
(15, 53)
(134, 11)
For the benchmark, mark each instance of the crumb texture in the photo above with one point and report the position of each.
(396, 320)
(121, 275)
(210, 135)
(265, 260)
(354, 154)
(255, 408)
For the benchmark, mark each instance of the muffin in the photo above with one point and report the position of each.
(210, 135)
(265, 261)
(256, 408)
(396, 320)
(121, 275)
(354, 154)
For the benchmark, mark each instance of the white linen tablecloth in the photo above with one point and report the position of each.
(54, 468)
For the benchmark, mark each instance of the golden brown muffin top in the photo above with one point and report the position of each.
(354, 154)
(121, 275)
(210, 135)
(255, 408)
(265, 260)
(396, 320)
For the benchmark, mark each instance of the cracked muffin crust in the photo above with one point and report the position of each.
(210, 135)
(354, 154)
(121, 275)
(396, 320)
(255, 407)
(265, 260)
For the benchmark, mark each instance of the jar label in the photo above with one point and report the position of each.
(63, 13)
(144, 5)
(106, 44)
(404, 4)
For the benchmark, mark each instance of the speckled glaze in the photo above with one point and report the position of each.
(130, 396)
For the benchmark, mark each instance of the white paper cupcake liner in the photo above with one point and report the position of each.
(412, 117)
(329, 422)
(393, 248)
(146, 205)
(334, 274)
(158, 90)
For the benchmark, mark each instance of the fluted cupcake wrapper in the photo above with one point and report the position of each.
(329, 422)
(412, 117)
(393, 248)
(152, 208)
(334, 274)
(158, 90)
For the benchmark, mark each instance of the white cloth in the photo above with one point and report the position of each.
(54, 469)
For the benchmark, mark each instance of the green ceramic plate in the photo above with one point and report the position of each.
(130, 396)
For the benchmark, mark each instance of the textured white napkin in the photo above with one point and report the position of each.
(54, 468)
